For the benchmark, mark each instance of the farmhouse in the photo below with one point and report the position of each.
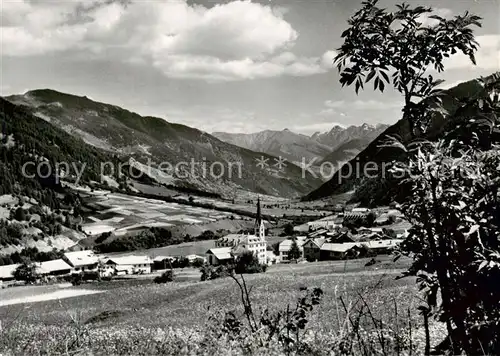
(312, 248)
(81, 261)
(238, 243)
(129, 264)
(193, 258)
(382, 246)
(286, 245)
(336, 251)
(53, 268)
(340, 237)
(271, 258)
(162, 262)
(7, 272)
(219, 256)
(328, 223)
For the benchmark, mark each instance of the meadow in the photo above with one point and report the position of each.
(178, 315)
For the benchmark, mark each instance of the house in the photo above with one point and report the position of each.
(129, 264)
(286, 245)
(340, 237)
(219, 256)
(271, 258)
(382, 246)
(7, 272)
(193, 258)
(57, 267)
(336, 251)
(162, 262)
(317, 233)
(312, 248)
(81, 261)
(238, 243)
(328, 223)
(361, 210)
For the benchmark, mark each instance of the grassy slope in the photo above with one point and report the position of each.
(184, 304)
(125, 131)
(133, 317)
(344, 151)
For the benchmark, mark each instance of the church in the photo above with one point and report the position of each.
(230, 246)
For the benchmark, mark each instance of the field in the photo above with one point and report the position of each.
(121, 213)
(127, 309)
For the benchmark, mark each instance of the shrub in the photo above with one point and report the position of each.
(167, 276)
(26, 272)
(209, 272)
(247, 262)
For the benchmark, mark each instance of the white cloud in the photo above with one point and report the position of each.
(487, 56)
(362, 104)
(443, 12)
(233, 41)
(312, 128)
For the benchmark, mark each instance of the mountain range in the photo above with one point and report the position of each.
(299, 148)
(168, 153)
(379, 189)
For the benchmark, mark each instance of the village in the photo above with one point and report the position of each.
(345, 234)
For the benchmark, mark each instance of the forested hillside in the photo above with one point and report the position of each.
(382, 188)
(181, 150)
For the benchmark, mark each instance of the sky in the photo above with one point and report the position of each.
(232, 66)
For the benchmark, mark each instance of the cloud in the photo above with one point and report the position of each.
(487, 56)
(362, 104)
(443, 12)
(215, 69)
(234, 41)
(312, 128)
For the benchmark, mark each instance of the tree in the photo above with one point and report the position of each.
(20, 214)
(288, 229)
(167, 276)
(294, 252)
(207, 235)
(248, 262)
(26, 271)
(370, 218)
(379, 43)
(455, 211)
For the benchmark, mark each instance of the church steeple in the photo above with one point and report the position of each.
(259, 228)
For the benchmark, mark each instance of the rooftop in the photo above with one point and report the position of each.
(7, 271)
(222, 253)
(81, 258)
(130, 260)
(53, 266)
(382, 243)
(286, 245)
(339, 247)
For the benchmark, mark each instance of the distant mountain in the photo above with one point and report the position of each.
(287, 144)
(339, 135)
(378, 189)
(189, 158)
(300, 148)
(346, 151)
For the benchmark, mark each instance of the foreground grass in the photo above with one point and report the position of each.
(130, 314)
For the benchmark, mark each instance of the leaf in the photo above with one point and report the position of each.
(381, 85)
(386, 77)
(370, 76)
(358, 85)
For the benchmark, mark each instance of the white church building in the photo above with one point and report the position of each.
(235, 244)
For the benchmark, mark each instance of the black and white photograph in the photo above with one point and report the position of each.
(249, 177)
